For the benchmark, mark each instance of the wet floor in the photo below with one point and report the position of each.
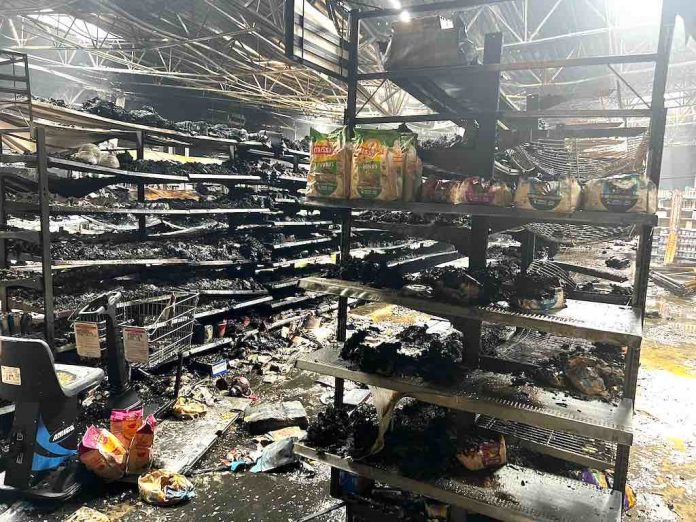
(663, 458)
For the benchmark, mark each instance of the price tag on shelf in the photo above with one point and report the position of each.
(135, 344)
(87, 339)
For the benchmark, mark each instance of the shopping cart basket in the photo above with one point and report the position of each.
(154, 328)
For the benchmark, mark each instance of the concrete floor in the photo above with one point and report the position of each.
(663, 458)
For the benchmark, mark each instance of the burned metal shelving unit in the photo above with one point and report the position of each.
(588, 433)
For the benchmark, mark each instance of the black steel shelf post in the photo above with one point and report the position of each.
(658, 123)
(140, 154)
(45, 234)
(4, 301)
(349, 120)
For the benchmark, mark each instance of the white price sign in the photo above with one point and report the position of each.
(135, 344)
(87, 339)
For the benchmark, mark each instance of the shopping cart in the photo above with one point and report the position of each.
(154, 329)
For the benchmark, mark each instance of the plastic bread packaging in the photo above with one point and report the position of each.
(621, 193)
(480, 191)
(435, 190)
(561, 196)
(376, 167)
(165, 488)
(329, 165)
(412, 169)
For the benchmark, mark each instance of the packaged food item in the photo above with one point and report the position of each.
(164, 488)
(412, 168)
(329, 165)
(108, 159)
(483, 454)
(538, 292)
(185, 408)
(481, 191)
(88, 153)
(102, 453)
(561, 196)
(124, 424)
(377, 166)
(621, 193)
(140, 451)
(437, 190)
(602, 480)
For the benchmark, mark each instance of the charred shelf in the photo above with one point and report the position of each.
(516, 494)
(494, 394)
(200, 348)
(596, 454)
(513, 214)
(593, 321)
(69, 210)
(234, 307)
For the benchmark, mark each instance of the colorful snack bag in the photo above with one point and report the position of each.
(102, 453)
(328, 165)
(124, 424)
(486, 454)
(140, 451)
(412, 169)
(377, 167)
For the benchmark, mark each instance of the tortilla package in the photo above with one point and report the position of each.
(621, 193)
(480, 191)
(562, 195)
(329, 165)
(377, 167)
(102, 453)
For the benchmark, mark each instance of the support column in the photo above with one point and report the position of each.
(140, 154)
(45, 233)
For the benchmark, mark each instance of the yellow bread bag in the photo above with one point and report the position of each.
(377, 166)
(480, 191)
(412, 168)
(329, 164)
(621, 193)
(562, 195)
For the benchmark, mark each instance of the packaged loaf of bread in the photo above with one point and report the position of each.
(621, 193)
(329, 164)
(437, 190)
(480, 191)
(377, 167)
(412, 168)
(561, 195)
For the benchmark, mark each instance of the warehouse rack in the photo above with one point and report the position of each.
(575, 431)
(41, 276)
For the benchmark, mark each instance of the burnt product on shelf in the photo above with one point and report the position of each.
(371, 269)
(420, 441)
(452, 284)
(413, 352)
(345, 433)
(536, 286)
(619, 263)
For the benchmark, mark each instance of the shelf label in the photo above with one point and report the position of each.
(87, 339)
(11, 375)
(135, 344)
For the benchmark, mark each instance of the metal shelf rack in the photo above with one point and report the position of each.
(549, 427)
